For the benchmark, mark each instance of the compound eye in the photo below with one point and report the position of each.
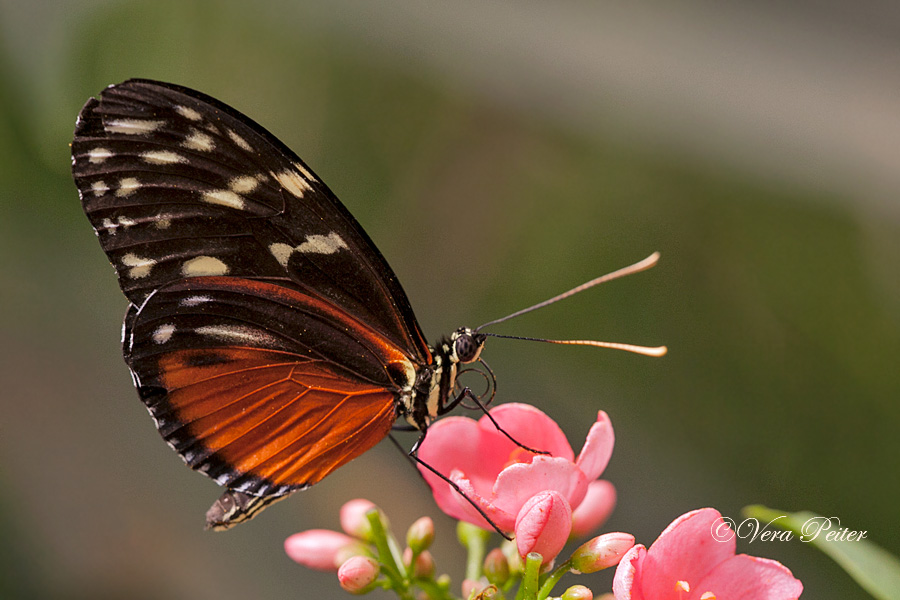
(468, 347)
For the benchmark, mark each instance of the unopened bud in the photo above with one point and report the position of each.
(354, 521)
(601, 552)
(420, 534)
(577, 592)
(424, 567)
(496, 567)
(358, 574)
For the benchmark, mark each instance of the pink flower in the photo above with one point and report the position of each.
(543, 525)
(500, 476)
(595, 509)
(692, 559)
(358, 573)
(318, 549)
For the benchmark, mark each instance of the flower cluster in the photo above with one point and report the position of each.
(518, 469)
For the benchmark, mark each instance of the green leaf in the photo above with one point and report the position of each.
(876, 570)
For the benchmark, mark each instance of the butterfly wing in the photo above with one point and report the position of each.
(177, 184)
(266, 334)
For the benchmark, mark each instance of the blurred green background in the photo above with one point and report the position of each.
(498, 153)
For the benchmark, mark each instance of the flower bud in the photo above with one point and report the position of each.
(354, 521)
(543, 525)
(601, 552)
(577, 592)
(424, 567)
(358, 574)
(420, 534)
(496, 567)
(318, 548)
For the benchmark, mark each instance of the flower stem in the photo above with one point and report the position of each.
(387, 555)
(530, 576)
(553, 579)
(475, 540)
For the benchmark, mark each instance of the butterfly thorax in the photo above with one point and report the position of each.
(436, 383)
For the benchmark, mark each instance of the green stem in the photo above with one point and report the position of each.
(387, 556)
(531, 576)
(553, 579)
(475, 540)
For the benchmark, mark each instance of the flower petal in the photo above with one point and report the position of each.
(745, 576)
(594, 510)
(462, 509)
(527, 425)
(543, 525)
(597, 448)
(685, 551)
(317, 548)
(629, 573)
(519, 482)
(454, 443)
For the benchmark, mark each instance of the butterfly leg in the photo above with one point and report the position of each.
(414, 458)
(467, 393)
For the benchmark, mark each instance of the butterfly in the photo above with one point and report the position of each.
(266, 334)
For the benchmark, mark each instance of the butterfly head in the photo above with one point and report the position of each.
(466, 345)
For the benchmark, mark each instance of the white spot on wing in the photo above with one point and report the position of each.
(223, 198)
(202, 266)
(199, 141)
(127, 186)
(98, 155)
(99, 188)
(293, 182)
(234, 333)
(314, 244)
(162, 157)
(305, 172)
(163, 333)
(244, 184)
(321, 244)
(188, 113)
(241, 142)
(282, 253)
(133, 126)
(139, 267)
(191, 301)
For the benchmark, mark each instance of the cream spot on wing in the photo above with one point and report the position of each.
(223, 198)
(162, 157)
(293, 182)
(321, 244)
(127, 186)
(244, 184)
(305, 171)
(194, 301)
(281, 252)
(314, 244)
(232, 333)
(202, 266)
(199, 141)
(163, 223)
(98, 155)
(139, 267)
(241, 142)
(188, 113)
(132, 126)
(99, 188)
(163, 333)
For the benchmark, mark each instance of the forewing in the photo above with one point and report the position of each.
(258, 386)
(177, 184)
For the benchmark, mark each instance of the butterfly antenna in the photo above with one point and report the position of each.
(629, 270)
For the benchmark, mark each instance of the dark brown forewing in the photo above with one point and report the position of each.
(177, 184)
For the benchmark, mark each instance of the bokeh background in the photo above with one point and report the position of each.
(498, 153)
